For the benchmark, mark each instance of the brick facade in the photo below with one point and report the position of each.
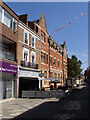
(9, 37)
(55, 51)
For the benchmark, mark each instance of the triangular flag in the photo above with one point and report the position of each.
(76, 17)
(81, 14)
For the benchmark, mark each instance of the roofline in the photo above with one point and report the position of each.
(10, 8)
(28, 28)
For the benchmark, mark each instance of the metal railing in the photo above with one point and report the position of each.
(43, 94)
(29, 65)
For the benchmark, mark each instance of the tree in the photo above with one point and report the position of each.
(74, 67)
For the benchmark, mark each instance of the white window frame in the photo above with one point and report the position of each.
(27, 37)
(25, 49)
(33, 53)
(14, 21)
(1, 13)
(34, 42)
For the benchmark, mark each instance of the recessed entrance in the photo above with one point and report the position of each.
(28, 84)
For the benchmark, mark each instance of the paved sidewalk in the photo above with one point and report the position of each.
(15, 107)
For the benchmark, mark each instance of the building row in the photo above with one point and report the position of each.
(29, 57)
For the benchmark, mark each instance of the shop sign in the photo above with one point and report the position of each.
(41, 74)
(8, 67)
(25, 73)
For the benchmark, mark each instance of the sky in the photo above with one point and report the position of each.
(57, 15)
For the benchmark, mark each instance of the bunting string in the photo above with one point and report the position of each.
(69, 23)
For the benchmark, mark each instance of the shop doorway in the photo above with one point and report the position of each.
(28, 84)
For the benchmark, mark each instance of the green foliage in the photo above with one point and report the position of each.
(74, 67)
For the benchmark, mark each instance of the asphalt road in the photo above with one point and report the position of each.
(72, 108)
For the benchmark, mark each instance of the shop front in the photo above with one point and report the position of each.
(28, 80)
(8, 73)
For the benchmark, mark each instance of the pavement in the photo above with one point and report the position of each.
(14, 107)
(75, 106)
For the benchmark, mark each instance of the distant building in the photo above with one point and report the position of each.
(87, 74)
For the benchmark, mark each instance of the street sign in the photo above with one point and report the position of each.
(41, 74)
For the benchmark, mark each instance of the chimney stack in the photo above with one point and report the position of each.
(24, 18)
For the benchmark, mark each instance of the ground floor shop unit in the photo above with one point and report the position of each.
(8, 73)
(27, 84)
(28, 79)
(8, 85)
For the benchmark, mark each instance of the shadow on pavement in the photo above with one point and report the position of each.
(74, 107)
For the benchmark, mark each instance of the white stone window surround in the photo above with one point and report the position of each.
(33, 53)
(34, 41)
(25, 31)
(25, 49)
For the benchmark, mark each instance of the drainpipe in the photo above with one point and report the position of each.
(49, 56)
(62, 67)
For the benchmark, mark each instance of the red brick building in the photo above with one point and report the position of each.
(53, 56)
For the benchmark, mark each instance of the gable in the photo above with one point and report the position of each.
(42, 22)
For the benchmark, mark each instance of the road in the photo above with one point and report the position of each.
(75, 106)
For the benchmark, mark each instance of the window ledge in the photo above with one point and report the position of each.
(43, 63)
(43, 42)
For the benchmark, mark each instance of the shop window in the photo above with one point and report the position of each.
(42, 57)
(33, 42)
(26, 38)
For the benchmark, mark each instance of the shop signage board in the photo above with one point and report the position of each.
(27, 73)
(8, 67)
(41, 74)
